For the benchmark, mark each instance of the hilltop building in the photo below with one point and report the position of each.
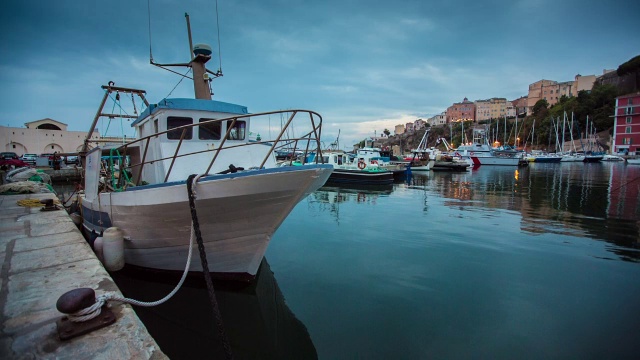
(520, 105)
(399, 129)
(552, 91)
(462, 111)
(626, 129)
(438, 120)
(494, 108)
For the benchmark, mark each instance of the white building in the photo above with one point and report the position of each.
(438, 120)
(42, 136)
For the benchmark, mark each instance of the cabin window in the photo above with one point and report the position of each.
(155, 126)
(174, 122)
(238, 130)
(210, 131)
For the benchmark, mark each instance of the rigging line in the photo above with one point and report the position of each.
(117, 103)
(218, 26)
(149, 18)
(182, 78)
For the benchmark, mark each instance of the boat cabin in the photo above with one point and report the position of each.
(176, 127)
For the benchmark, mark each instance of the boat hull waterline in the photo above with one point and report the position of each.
(238, 214)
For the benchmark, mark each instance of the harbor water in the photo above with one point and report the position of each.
(497, 262)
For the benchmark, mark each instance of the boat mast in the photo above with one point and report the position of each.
(202, 77)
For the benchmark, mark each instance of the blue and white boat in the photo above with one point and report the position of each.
(242, 194)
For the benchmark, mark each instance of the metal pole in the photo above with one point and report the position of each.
(189, 32)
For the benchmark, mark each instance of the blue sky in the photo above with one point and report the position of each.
(364, 65)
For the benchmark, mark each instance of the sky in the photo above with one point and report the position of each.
(364, 65)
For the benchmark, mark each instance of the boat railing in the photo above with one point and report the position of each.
(308, 141)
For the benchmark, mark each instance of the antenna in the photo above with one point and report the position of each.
(200, 54)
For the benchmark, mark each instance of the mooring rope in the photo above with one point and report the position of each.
(95, 309)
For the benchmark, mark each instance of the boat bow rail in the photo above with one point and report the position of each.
(300, 131)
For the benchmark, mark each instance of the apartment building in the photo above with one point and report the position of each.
(399, 129)
(419, 125)
(552, 91)
(520, 105)
(626, 129)
(438, 120)
(462, 111)
(483, 110)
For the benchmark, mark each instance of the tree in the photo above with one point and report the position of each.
(540, 108)
(386, 132)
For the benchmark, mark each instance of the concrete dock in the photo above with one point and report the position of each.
(42, 256)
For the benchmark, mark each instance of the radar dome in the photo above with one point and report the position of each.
(202, 49)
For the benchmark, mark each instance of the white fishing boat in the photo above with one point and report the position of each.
(635, 161)
(482, 154)
(609, 157)
(242, 194)
(373, 156)
(358, 172)
(421, 158)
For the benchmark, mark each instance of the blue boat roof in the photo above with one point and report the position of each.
(192, 104)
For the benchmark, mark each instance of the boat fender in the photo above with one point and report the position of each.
(98, 248)
(361, 165)
(113, 249)
(375, 162)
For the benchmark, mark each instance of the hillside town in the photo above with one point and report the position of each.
(621, 133)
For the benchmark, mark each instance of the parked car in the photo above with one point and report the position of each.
(8, 155)
(29, 158)
(71, 159)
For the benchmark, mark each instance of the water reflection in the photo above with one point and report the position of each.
(600, 201)
(258, 322)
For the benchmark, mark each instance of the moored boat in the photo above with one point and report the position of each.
(242, 194)
(355, 172)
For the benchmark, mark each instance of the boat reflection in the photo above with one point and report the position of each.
(329, 198)
(256, 318)
(585, 200)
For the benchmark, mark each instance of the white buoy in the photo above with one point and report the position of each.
(113, 249)
(98, 248)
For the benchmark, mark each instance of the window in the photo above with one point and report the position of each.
(237, 132)
(174, 122)
(626, 141)
(629, 119)
(209, 131)
(629, 101)
(627, 130)
(629, 110)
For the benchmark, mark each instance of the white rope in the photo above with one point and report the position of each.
(94, 310)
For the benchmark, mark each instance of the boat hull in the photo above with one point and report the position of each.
(494, 160)
(450, 166)
(360, 177)
(237, 213)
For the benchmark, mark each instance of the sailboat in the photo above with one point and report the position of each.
(242, 195)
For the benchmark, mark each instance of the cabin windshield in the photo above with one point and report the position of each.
(174, 122)
(210, 131)
(238, 130)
